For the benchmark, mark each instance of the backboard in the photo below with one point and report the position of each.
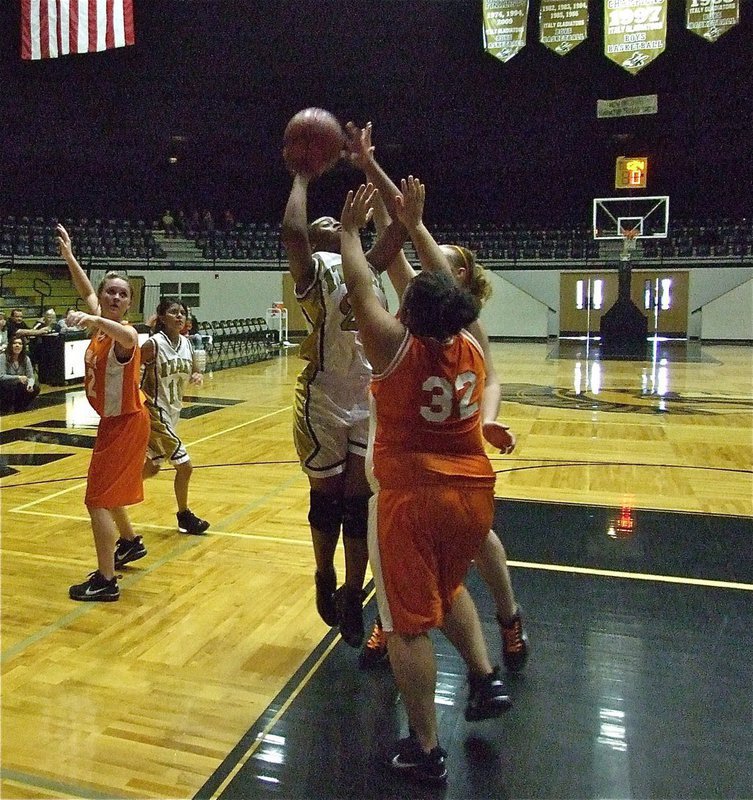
(647, 217)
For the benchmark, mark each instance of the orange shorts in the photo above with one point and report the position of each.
(115, 472)
(421, 544)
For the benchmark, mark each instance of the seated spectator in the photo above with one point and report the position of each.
(48, 323)
(17, 326)
(191, 330)
(65, 327)
(207, 221)
(181, 222)
(3, 332)
(17, 386)
(228, 220)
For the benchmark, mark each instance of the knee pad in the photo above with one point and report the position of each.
(356, 516)
(325, 512)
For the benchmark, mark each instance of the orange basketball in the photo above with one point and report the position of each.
(312, 142)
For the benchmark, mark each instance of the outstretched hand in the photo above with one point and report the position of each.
(358, 207)
(64, 242)
(409, 204)
(80, 319)
(499, 436)
(359, 149)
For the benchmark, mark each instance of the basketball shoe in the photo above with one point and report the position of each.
(96, 588)
(407, 758)
(514, 643)
(188, 522)
(127, 550)
(488, 697)
(374, 651)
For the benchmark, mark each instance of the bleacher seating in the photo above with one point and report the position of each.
(96, 238)
(34, 237)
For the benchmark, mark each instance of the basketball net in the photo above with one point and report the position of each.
(629, 242)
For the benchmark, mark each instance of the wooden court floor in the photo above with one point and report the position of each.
(147, 697)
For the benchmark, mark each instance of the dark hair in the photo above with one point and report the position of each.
(22, 354)
(434, 305)
(162, 307)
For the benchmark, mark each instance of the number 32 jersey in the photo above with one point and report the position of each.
(426, 416)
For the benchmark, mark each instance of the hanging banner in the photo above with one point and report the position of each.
(628, 106)
(711, 18)
(635, 32)
(505, 23)
(563, 24)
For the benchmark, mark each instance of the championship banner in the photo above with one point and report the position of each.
(635, 32)
(628, 106)
(505, 23)
(711, 18)
(563, 24)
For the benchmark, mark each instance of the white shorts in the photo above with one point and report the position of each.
(324, 432)
(164, 442)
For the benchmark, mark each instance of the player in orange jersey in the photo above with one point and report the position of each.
(491, 560)
(111, 381)
(432, 482)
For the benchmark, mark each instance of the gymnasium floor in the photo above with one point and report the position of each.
(626, 510)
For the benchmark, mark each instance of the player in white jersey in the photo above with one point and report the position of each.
(170, 364)
(331, 404)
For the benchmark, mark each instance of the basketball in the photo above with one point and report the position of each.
(312, 142)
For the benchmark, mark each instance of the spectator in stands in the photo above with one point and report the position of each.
(181, 222)
(207, 221)
(17, 385)
(17, 327)
(194, 222)
(48, 322)
(228, 220)
(3, 332)
(63, 323)
(191, 330)
(168, 224)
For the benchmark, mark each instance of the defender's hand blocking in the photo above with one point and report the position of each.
(410, 202)
(358, 210)
(499, 436)
(359, 150)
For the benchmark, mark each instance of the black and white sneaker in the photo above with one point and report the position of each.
(127, 550)
(488, 697)
(188, 522)
(408, 759)
(96, 588)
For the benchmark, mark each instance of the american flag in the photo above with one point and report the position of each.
(52, 28)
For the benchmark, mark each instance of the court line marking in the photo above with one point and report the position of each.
(262, 735)
(640, 576)
(204, 537)
(238, 426)
(635, 576)
(22, 508)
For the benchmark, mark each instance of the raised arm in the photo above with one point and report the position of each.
(78, 276)
(391, 233)
(409, 207)
(381, 333)
(294, 233)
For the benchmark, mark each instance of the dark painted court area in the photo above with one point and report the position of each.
(634, 689)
